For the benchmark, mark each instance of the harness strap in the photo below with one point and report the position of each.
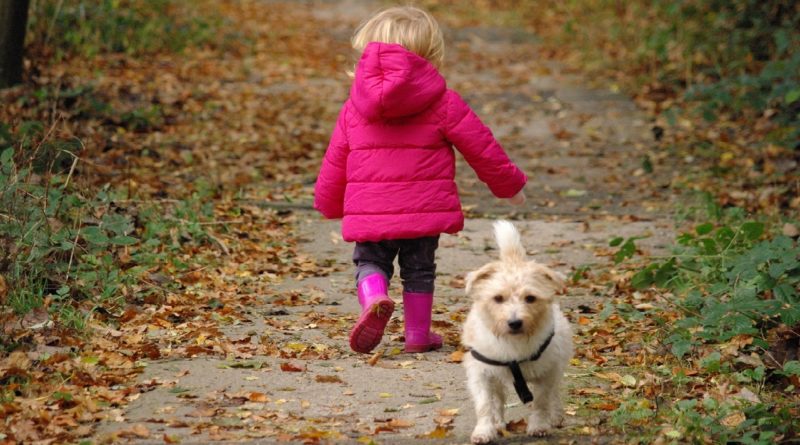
(520, 386)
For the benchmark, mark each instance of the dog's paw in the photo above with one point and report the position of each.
(538, 432)
(538, 427)
(481, 436)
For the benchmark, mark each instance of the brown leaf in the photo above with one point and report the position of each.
(733, 420)
(591, 391)
(400, 423)
(259, 397)
(137, 430)
(443, 420)
(457, 356)
(328, 379)
(288, 367)
(517, 426)
(450, 412)
(150, 351)
(376, 356)
(3, 289)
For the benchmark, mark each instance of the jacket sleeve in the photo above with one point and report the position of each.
(329, 189)
(484, 154)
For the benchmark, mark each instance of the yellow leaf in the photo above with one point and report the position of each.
(299, 347)
(628, 380)
(438, 433)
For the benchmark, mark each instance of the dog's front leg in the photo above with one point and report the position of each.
(499, 402)
(481, 389)
(546, 407)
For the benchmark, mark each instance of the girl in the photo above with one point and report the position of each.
(390, 167)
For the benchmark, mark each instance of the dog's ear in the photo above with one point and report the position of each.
(476, 276)
(554, 279)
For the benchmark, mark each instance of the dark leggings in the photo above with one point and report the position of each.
(416, 257)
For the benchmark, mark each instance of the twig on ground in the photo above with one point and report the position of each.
(222, 245)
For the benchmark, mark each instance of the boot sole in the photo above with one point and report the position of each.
(368, 331)
(422, 348)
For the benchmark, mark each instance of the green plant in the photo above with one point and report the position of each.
(632, 412)
(76, 248)
(733, 282)
(730, 421)
(136, 27)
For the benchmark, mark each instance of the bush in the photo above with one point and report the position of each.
(75, 250)
(732, 277)
(135, 27)
(737, 58)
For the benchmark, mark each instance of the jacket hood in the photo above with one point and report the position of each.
(392, 82)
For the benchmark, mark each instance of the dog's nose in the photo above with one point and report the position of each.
(515, 325)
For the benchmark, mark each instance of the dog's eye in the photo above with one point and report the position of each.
(498, 298)
(530, 299)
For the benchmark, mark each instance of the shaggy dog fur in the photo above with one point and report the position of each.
(514, 310)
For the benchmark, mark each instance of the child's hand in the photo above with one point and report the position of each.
(518, 199)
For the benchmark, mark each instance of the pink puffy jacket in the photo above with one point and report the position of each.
(389, 169)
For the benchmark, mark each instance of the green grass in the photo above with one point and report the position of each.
(71, 248)
(66, 28)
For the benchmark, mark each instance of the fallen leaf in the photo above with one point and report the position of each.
(439, 432)
(400, 423)
(628, 380)
(3, 289)
(517, 426)
(376, 356)
(140, 430)
(288, 367)
(257, 397)
(591, 391)
(443, 420)
(457, 356)
(328, 379)
(733, 420)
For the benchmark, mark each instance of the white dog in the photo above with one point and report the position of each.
(516, 334)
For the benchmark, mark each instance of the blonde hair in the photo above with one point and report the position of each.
(413, 28)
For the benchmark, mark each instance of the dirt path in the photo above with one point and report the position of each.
(585, 151)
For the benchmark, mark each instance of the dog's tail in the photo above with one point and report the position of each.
(509, 242)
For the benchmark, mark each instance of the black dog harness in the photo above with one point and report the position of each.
(519, 381)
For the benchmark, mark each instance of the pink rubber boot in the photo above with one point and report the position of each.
(417, 308)
(376, 310)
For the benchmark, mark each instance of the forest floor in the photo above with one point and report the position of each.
(582, 148)
(253, 345)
